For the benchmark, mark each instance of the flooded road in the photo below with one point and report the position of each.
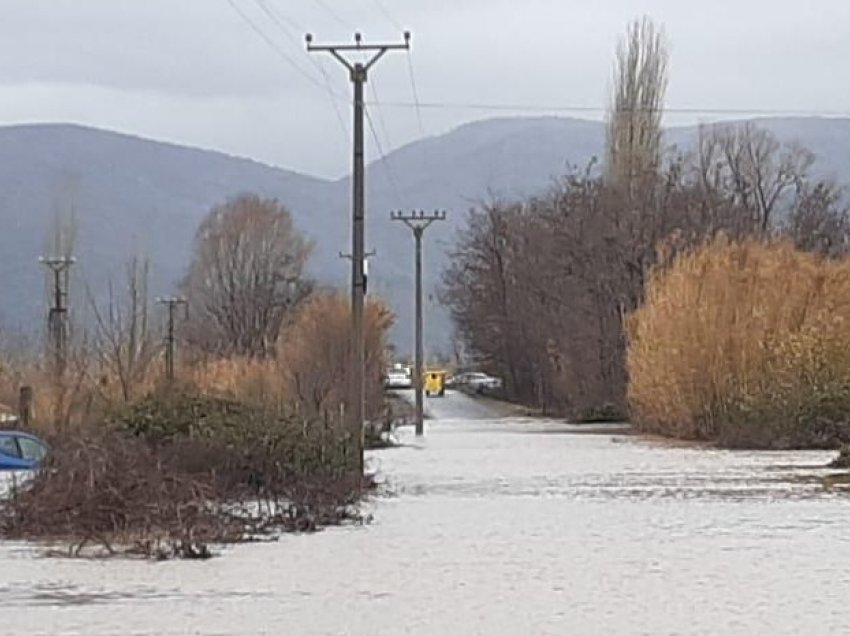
(499, 527)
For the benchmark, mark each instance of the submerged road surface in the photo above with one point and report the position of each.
(500, 528)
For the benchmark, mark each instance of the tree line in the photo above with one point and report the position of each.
(254, 318)
(539, 288)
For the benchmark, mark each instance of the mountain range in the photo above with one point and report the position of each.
(130, 194)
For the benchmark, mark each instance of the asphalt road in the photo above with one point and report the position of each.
(455, 405)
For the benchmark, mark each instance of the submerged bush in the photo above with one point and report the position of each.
(746, 344)
(178, 472)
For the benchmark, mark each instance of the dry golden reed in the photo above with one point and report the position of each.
(744, 343)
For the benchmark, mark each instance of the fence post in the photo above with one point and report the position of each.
(25, 399)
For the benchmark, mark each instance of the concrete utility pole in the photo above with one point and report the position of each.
(366, 258)
(418, 222)
(358, 73)
(57, 318)
(171, 303)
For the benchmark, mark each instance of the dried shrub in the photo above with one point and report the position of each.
(250, 380)
(312, 353)
(745, 343)
(179, 472)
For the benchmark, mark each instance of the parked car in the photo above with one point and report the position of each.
(475, 381)
(398, 379)
(20, 451)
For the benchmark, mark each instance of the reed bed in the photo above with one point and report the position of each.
(746, 344)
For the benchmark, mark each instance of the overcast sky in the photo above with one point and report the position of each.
(195, 72)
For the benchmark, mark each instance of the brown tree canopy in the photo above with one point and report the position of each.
(246, 274)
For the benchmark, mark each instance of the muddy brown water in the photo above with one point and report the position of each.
(494, 527)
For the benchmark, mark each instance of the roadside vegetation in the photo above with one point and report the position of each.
(746, 344)
(542, 289)
(248, 439)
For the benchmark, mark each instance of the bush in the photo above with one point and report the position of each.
(312, 354)
(746, 344)
(179, 471)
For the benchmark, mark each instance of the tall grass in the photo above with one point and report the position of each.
(744, 343)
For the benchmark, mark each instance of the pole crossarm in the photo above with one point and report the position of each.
(418, 220)
(57, 262)
(378, 50)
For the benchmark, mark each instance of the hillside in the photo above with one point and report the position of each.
(126, 194)
(135, 194)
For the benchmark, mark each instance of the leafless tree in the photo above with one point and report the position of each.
(634, 120)
(751, 167)
(124, 343)
(246, 274)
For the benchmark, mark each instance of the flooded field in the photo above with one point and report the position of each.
(501, 527)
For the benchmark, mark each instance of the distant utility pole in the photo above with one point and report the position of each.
(171, 303)
(358, 73)
(418, 222)
(57, 318)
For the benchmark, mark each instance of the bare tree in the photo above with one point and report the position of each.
(123, 341)
(752, 168)
(634, 120)
(246, 274)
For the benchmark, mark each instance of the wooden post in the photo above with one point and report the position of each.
(25, 399)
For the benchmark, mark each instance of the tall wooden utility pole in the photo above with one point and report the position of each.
(358, 73)
(418, 222)
(171, 303)
(57, 317)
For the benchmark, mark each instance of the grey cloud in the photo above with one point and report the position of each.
(192, 71)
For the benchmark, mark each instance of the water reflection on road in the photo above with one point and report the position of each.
(499, 528)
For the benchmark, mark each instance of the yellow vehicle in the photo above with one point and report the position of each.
(435, 383)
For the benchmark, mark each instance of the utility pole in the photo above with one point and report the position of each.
(366, 258)
(57, 317)
(358, 73)
(171, 303)
(418, 222)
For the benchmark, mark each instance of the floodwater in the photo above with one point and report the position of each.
(499, 527)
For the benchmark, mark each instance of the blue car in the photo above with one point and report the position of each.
(20, 451)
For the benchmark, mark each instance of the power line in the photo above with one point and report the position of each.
(548, 108)
(281, 21)
(280, 17)
(332, 95)
(415, 93)
(388, 15)
(272, 44)
(383, 156)
(324, 5)
(425, 150)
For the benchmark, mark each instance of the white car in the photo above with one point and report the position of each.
(398, 379)
(476, 381)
